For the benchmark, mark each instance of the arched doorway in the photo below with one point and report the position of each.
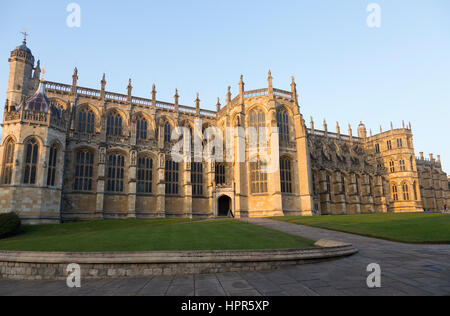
(224, 206)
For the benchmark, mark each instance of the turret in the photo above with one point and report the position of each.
(270, 82)
(103, 86)
(197, 105)
(176, 99)
(218, 105)
(294, 90)
(229, 95)
(362, 132)
(242, 89)
(129, 90)
(20, 73)
(74, 81)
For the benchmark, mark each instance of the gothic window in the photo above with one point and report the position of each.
(84, 167)
(399, 143)
(116, 172)
(377, 148)
(31, 161)
(171, 177)
(285, 175)
(191, 136)
(283, 125)
(392, 166)
(328, 182)
(197, 178)
(258, 178)
(405, 192)
(220, 173)
(314, 182)
(8, 162)
(141, 128)
(144, 175)
(416, 197)
(357, 184)
(394, 192)
(51, 175)
(167, 132)
(402, 165)
(114, 124)
(258, 121)
(389, 145)
(411, 162)
(86, 121)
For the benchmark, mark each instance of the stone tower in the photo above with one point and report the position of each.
(33, 144)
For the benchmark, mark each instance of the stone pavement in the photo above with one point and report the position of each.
(406, 270)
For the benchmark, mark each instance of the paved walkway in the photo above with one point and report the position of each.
(406, 270)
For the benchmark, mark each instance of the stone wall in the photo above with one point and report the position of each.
(52, 266)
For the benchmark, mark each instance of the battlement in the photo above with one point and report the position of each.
(65, 89)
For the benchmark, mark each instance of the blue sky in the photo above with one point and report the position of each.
(345, 71)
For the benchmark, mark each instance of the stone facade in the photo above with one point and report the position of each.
(93, 154)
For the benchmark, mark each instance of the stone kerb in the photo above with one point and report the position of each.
(52, 265)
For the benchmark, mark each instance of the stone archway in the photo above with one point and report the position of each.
(224, 206)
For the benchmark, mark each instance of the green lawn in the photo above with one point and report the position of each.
(409, 228)
(151, 235)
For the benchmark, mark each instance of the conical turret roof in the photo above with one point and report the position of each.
(39, 101)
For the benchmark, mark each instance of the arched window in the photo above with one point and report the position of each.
(389, 144)
(191, 135)
(405, 192)
(392, 166)
(411, 163)
(114, 124)
(53, 158)
(144, 175)
(416, 197)
(167, 132)
(377, 148)
(141, 128)
(86, 121)
(8, 161)
(197, 178)
(343, 183)
(220, 173)
(285, 175)
(328, 180)
(258, 177)
(258, 123)
(31, 161)
(402, 165)
(84, 166)
(116, 171)
(283, 125)
(394, 192)
(171, 177)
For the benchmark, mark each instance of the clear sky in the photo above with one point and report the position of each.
(345, 71)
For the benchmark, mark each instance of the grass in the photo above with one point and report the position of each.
(151, 235)
(408, 228)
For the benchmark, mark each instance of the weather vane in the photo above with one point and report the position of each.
(25, 34)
